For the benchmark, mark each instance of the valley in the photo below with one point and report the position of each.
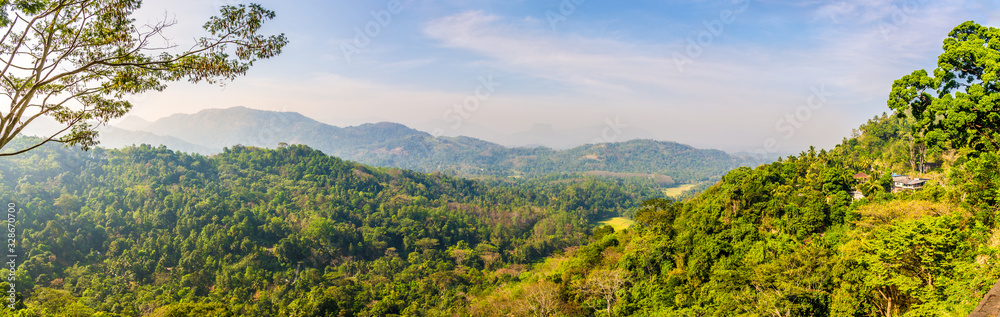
(617, 223)
(677, 191)
(220, 209)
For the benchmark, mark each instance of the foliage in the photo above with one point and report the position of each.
(957, 105)
(75, 61)
(294, 232)
(787, 239)
(288, 232)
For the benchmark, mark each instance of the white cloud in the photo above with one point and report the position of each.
(857, 57)
(597, 66)
(732, 94)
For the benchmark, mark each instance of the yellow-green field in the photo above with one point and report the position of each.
(618, 223)
(676, 191)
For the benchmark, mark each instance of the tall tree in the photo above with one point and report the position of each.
(604, 285)
(959, 103)
(75, 61)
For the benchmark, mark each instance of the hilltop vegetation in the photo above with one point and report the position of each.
(285, 232)
(787, 238)
(294, 232)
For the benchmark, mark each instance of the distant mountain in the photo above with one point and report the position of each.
(132, 123)
(396, 145)
(545, 135)
(112, 137)
(219, 128)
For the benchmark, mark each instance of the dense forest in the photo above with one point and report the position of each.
(289, 232)
(292, 231)
(822, 233)
(787, 239)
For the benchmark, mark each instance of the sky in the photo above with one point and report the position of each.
(742, 75)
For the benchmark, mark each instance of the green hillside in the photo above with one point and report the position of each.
(786, 238)
(900, 219)
(789, 239)
(291, 231)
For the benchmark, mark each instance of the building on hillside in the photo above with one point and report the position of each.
(861, 177)
(914, 184)
(857, 195)
(898, 180)
(904, 182)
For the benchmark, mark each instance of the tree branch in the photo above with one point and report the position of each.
(49, 139)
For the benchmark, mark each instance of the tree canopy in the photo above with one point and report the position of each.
(75, 61)
(147, 231)
(791, 238)
(958, 103)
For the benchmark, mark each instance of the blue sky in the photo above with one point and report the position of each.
(787, 74)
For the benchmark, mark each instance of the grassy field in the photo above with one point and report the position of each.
(618, 223)
(675, 191)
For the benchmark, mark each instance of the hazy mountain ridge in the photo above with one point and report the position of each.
(220, 128)
(112, 137)
(544, 135)
(396, 145)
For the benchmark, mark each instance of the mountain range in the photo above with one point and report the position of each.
(395, 145)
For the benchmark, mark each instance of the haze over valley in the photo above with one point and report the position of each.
(500, 158)
(395, 145)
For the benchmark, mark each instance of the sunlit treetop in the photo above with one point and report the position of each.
(959, 103)
(75, 61)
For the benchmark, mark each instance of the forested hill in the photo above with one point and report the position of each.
(788, 239)
(395, 145)
(283, 232)
(822, 233)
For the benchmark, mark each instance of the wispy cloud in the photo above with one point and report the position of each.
(855, 11)
(854, 55)
(595, 66)
(592, 63)
(754, 73)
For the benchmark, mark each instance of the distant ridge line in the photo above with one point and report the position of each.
(390, 144)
